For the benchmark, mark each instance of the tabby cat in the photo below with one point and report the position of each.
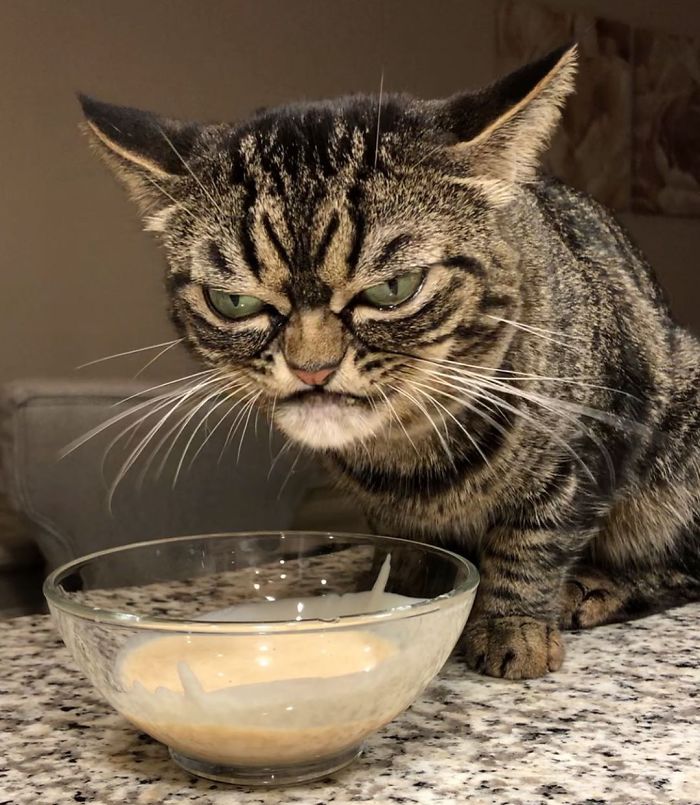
(477, 351)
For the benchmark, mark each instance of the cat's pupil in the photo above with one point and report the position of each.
(393, 286)
(235, 299)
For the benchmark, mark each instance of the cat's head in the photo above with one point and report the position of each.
(335, 255)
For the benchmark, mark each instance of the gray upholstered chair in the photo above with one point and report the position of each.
(61, 506)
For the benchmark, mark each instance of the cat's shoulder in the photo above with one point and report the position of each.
(593, 234)
(573, 207)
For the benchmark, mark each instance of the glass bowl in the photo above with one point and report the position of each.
(262, 658)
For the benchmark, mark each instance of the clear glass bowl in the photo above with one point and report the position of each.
(262, 658)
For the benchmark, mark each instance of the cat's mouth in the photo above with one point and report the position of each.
(322, 397)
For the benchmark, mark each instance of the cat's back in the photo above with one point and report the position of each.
(599, 246)
(620, 309)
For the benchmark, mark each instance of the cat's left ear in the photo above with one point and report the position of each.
(502, 130)
(149, 154)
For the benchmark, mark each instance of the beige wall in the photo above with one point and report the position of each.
(80, 279)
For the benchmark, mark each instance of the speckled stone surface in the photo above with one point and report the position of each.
(619, 724)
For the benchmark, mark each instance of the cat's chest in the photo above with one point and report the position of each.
(423, 506)
(449, 521)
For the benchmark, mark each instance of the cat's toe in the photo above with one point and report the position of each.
(512, 647)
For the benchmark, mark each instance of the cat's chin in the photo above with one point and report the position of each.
(327, 425)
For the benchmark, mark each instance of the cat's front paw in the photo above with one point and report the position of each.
(512, 647)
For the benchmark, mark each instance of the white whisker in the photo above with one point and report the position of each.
(481, 392)
(289, 474)
(362, 443)
(285, 447)
(504, 374)
(394, 414)
(417, 386)
(192, 173)
(197, 428)
(167, 344)
(172, 198)
(251, 405)
(272, 422)
(468, 402)
(133, 427)
(427, 155)
(163, 385)
(182, 425)
(156, 357)
(209, 435)
(379, 118)
(532, 331)
(177, 429)
(81, 440)
(141, 446)
(537, 329)
(255, 424)
(423, 409)
(511, 375)
(181, 400)
(504, 386)
(233, 429)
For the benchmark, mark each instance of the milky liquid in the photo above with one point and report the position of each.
(271, 698)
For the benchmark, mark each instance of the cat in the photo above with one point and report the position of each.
(477, 350)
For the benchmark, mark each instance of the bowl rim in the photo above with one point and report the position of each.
(62, 602)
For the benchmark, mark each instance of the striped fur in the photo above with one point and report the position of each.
(533, 406)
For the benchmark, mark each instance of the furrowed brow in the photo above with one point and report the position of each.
(327, 239)
(393, 247)
(275, 240)
(214, 265)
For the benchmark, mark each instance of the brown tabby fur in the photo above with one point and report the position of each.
(533, 406)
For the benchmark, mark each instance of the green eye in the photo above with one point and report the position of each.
(233, 305)
(395, 291)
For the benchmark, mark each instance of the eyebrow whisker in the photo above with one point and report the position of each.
(379, 117)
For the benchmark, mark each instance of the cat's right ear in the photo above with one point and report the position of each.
(147, 153)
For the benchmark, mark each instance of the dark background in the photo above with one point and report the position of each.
(79, 278)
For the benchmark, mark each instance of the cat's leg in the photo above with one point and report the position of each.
(592, 597)
(645, 558)
(514, 629)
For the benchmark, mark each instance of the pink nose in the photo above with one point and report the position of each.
(317, 378)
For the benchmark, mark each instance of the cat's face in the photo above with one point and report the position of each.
(329, 256)
(326, 287)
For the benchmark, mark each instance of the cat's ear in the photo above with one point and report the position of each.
(502, 130)
(147, 153)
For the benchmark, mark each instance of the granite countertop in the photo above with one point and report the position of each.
(619, 724)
